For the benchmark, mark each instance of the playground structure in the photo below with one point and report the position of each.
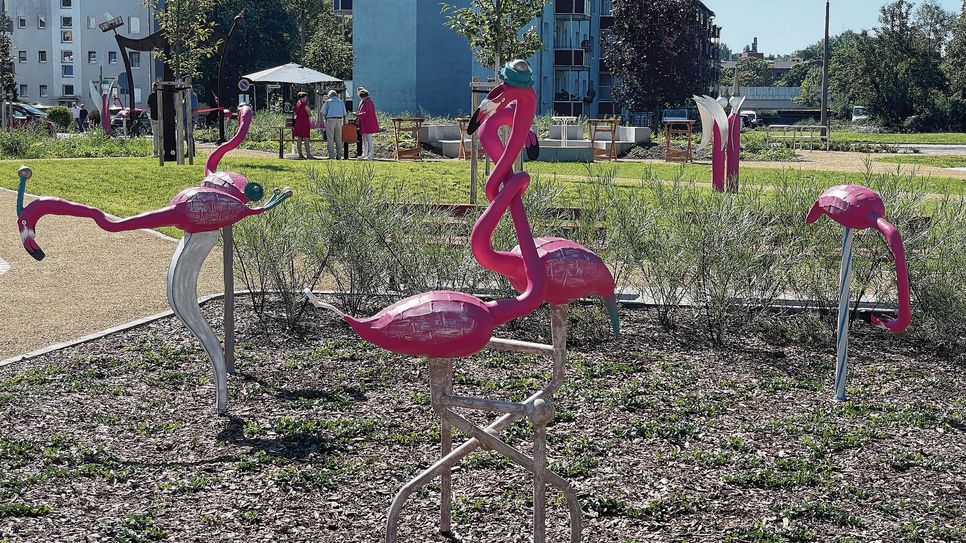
(856, 207)
(200, 212)
(443, 325)
(723, 131)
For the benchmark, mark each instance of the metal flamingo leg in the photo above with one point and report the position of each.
(441, 383)
(183, 298)
(441, 391)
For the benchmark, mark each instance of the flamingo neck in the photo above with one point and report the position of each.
(244, 124)
(536, 274)
(55, 206)
(523, 113)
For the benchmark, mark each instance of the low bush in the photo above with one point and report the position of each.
(36, 143)
(60, 116)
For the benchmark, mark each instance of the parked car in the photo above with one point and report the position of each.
(859, 114)
(749, 119)
(139, 126)
(27, 115)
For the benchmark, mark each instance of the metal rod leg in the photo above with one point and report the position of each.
(539, 485)
(842, 328)
(441, 383)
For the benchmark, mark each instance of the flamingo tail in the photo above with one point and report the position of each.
(610, 302)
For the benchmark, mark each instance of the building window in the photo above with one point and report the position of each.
(43, 91)
(606, 6)
(42, 56)
(135, 59)
(23, 90)
(22, 56)
(92, 22)
(21, 22)
(571, 34)
(66, 36)
(66, 4)
(67, 56)
(342, 5)
(68, 90)
(92, 57)
(66, 22)
(112, 57)
(67, 70)
(41, 21)
(134, 25)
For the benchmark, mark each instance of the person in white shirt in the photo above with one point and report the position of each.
(75, 113)
(333, 110)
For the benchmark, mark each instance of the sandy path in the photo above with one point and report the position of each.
(89, 281)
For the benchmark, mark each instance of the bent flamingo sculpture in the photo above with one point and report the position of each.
(856, 207)
(198, 211)
(573, 271)
(443, 325)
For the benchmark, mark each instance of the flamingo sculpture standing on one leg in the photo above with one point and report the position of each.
(443, 325)
(856, 207)
(199, 211)
(573, 271)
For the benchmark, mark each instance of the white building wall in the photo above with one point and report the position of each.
(84, 38)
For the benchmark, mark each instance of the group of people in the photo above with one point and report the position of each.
(334, 112)
(80, 114)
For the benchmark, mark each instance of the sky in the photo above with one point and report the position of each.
(785, 26)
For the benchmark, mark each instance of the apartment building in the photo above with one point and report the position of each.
(413, 63)
(58, 48)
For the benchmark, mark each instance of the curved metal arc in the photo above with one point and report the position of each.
(183, 298)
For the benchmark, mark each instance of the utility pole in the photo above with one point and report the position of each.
(499, 17)
(824, 118)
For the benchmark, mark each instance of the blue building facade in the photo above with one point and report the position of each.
(412, 62)
(407, 59)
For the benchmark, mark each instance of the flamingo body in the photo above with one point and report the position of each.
(439, 324)
(858, 207)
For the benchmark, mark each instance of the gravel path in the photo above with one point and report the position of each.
(90, 280)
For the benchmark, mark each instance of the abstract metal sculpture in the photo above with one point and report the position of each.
(856, 207)
(724, 133)
(220, 201)
(445, 325)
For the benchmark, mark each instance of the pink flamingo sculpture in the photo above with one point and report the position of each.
(443, 325)
(573, 271)
(856, 207)
(724, 134)
(199, 211)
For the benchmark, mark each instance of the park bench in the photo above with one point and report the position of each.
(286, 130)
(798, 135)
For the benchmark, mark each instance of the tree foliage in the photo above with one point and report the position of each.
(955, 62)
(329, 49)
(493, 28)
(8, 83)
(187, 25)
(654, 50)
(752, 72)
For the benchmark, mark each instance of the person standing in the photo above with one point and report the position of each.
(368, 123)
(75, 114)
(155, 130)
(302, 127)
(333, 110)
(82, 119)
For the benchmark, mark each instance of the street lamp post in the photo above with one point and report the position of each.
(824, 118)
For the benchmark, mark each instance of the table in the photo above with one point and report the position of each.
(407, 124)
(463, 123)
(563, 130)
(674, 127)
(597, 126)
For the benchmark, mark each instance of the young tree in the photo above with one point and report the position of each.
(724, 51)
(188, 26)
(493, 28)
(8, 81)
(330, 48)
(654, 50)
(306, 14)
(955, 65)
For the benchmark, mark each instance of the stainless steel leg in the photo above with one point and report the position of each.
(441, 383)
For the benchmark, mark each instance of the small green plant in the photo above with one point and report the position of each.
(60, 116)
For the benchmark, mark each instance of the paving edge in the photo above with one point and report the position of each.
(623, 298)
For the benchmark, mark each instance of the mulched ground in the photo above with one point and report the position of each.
(666, 438)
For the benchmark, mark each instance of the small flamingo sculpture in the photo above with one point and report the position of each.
(723, 131)
(573, 271)
(856, 207)
(445, 325)
(199, 211)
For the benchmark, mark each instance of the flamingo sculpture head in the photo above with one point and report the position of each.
(858, 207)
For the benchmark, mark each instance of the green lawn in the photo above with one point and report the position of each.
(947, 138)
(127, 186)
(939, 161)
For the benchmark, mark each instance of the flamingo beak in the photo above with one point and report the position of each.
(814, 213)
(487, 107)
(29, 243)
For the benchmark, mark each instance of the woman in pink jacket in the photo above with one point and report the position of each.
(368, 123)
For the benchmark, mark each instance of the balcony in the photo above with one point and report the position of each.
(572, 7)
(572, 58)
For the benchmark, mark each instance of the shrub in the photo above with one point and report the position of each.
(60, 116)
